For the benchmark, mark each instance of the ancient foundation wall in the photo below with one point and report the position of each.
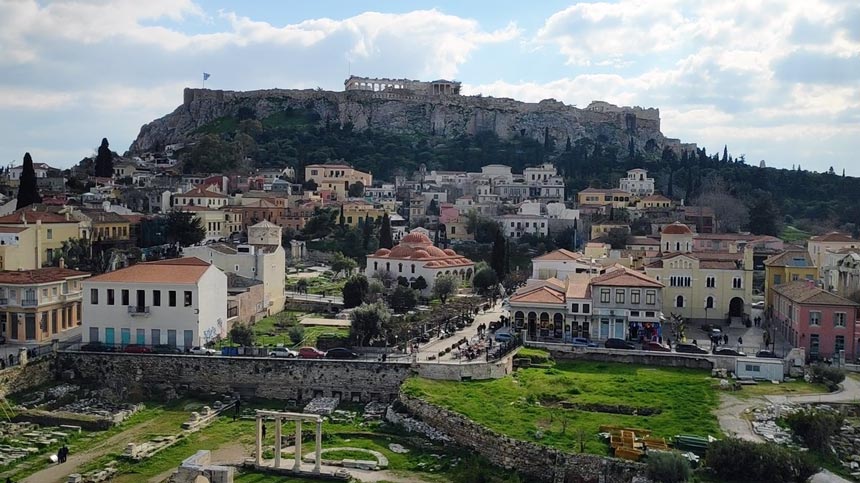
(263, 377)
(647, 358)
(536, 462)
(33, 374)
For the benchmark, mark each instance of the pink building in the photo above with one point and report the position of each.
(817, 320)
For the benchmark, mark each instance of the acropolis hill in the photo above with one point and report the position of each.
(415, 107)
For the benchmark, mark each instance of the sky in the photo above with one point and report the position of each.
(774, 80)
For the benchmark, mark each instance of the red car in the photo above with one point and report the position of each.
(137, 349)
(310, 353)
(655, 346)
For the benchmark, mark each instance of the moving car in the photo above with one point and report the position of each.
(311, 353)
(618, 344)
(767, 354)
(340, 353)
(583, 342)
(725, 351)
(504, 337)
(137, 349)
(202, 351)
(655, 347)
(97, 347)
(166, 349)
(758, 305)
(283, 352)
(689, 349)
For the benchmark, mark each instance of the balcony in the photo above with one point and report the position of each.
(71, 296)
(137, 310)
(4, 301)
(29, 303)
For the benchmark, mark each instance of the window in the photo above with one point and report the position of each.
(711, 282)
(187, 296)
(753, 368)
(49, 234)
(839, 345)
(619, 296)
(125, 297)
(737, 283)
(839, 319)
(156, 298)
(650, 297)
(171, 298)
(679, 301)
(649, 314)
(777, 279)
(635, 297)
(94, 296)
(795, 277)
(814, 318)
(110, 296)
(709, 303)
(814, 344)
(574, 307)
(604, 295)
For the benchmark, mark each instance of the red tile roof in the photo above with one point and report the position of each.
(625, 277)
(833, 236)
(806, 293)
(39, 275)
(174, 271)
(25, 215)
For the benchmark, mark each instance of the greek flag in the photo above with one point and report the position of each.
(205, 76)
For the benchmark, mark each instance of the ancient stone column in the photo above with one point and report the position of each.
(298, 455)
(259, 442)
(278, 423)
(318, 448)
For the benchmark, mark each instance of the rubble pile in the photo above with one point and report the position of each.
(413, 425)
(764, 422)
(19, 440)
(324, 406)
(102, 408)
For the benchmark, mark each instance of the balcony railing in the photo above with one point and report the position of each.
(138, 310)
(29, 303)
(4, 301)
(66, 297)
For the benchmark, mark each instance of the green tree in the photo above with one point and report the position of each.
(342, 264)
(368, 322)
(419, 284)
(356, 190)
(354, 291)
(104, 161)
(402, 299)
(445, 286)
(498, 256)
(485, 280)
(302, 285)
(28, 191)
(815, 427)
(433, 208)
(763, 214)
(184, 228)
(296, 333)
(243, 335)
(617, 238)
(385, 240)
(321, 223)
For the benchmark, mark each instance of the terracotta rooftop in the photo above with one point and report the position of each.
(677, 228)
(201, 192)
(834, 236)
(39, 275)
(625, 277)
(806, 293)
(544, 293)
(12, 229)
(579, 286)
(561, 255)
(660, 198)
(790, 258)
(26, 215)
(174, 271)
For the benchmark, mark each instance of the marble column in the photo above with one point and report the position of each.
(278, 423)
(258, 455)
(298, 452)
(318, 448)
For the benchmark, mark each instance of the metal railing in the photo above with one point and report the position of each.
(135, 309)
(29, 303)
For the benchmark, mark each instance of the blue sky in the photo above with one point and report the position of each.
(775, 80)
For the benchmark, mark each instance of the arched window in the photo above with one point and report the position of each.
(519, 318)
(413, 268)
(677, 246)
(387, 266)
(399, 267)
(679, 301)
(544, 320)
(709, 302)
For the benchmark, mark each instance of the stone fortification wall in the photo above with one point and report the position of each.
(21, 378)
(272, 378)
(409, 113)
(478, 370)
(646, 358)
(536, 462)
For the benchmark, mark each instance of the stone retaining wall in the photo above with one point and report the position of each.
(648, 358)
(537, 462)
(273, 378)
(20, 378)
(476, 370)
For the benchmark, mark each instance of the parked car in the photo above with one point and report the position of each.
(758, 305)
(767, 354)
(311, 353)
(655, 347)
(689, 349)
(503, 337)
(583, 342)
(283, 352)
(424, 338)
(166, 349)
(618, 344)
(725, 351)
(340, 353)
(97, 347)
(202, 351)
(137, 349)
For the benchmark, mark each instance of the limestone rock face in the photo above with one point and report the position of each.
(403, 112)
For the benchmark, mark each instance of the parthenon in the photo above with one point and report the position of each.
(436, 87)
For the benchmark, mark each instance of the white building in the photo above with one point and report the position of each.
(637, 183)
(262, 258)
(40, 168)
(386, 191)
(562, 264)
(201, 196)
(180, 302)
(415, 258)
(515, 226)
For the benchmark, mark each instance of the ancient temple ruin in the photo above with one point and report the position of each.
(436, 87)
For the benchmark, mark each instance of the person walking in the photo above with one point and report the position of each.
(740, 342)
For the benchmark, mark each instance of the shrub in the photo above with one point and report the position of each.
(668, 467)
(736, 460)
(828, 375)
(815, 427)
(296, 333)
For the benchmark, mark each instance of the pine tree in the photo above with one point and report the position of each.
(497, 258)
(567, 146)
(104, 161)
(631, 149)
(670, 192)
(341, 219)
(725, 153)
(28, 191)
(385, 240)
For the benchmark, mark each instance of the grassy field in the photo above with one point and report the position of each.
(322, 284)
(792, 388)
(526, 404)
(792, 234)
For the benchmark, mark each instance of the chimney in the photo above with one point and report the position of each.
(62, 262)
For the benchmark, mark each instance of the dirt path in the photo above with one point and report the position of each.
(60, 473)
(730, 416)
(849, 392)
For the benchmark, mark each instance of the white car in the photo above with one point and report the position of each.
(758, 305)
(202, 351)
(283, 352)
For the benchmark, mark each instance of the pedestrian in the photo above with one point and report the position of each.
(740, 342)
(264, 431)
(237, 409)
(695, 343)
(726, 339)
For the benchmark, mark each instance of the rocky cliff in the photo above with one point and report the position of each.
(404, 112)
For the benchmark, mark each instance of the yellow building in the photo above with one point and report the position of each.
(605, 197)
(103, 226)
(702, 285)
(786, 267)
(214, 221)
(654, 201)
(336, 178)
(819, 246)
(356, 211)
(602, 229)
(50, 230)
(36, 305)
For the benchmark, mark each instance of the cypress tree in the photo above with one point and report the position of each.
(104, 161)
(725, 153)
(385, 240)
(28, 192)
(567, 146)
(670, 193)
(497, 258)
(631, 149)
